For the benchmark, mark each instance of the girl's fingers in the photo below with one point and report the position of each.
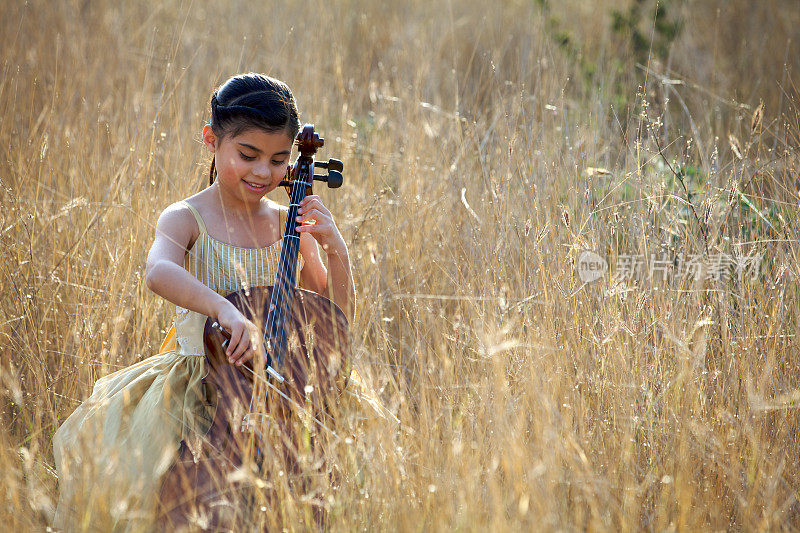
(313, 202)
(251, 348)
(314, 229)
(312, 214)
(309, 198)
(233, 342)
(250, 351)
(241, 344)
(244, 344)
(322, 224)
(246, 356)
(243, 339)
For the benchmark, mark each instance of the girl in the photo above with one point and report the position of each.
(112, 451)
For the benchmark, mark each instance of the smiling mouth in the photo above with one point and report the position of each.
(255, 186)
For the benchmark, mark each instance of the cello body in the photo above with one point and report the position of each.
(208, 483)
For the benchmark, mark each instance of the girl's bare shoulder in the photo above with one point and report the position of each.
(178, 223)
(204, 206)
(200, 200)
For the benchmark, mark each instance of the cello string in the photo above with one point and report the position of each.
(283, 297)
(286, 286)
(288, 258)
(283, 263)
(279, 300)
(276, 298)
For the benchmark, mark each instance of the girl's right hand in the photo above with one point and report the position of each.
(245, 336)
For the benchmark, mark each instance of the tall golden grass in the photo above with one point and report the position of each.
(514, 396)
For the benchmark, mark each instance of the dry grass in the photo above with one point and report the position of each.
(525, 399)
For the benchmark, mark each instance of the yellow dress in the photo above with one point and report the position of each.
(111, 452)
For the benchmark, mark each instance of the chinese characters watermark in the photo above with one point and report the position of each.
(716, 267)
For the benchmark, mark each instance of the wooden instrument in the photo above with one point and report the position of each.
(259, 407)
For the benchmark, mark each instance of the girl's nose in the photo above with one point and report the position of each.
(261, 170)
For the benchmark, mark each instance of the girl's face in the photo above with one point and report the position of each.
(250, 164)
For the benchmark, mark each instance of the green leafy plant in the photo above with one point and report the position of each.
(629, 26)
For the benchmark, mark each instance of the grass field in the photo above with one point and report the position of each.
(486, 147)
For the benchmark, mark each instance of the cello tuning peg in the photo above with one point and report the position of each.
(330, 164)
(335, 178)
(335, 164)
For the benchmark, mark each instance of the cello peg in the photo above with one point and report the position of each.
(333, 178)
(335, 164)
(330, 164)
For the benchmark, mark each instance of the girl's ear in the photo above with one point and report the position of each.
(209, 138)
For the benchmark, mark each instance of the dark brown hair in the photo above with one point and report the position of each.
(250, 101)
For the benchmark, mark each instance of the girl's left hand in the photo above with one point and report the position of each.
(314, 218)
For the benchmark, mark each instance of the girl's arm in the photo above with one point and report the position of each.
(167, 277)
(336, 281)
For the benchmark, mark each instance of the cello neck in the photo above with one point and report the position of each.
(287, 265)
(280, 308)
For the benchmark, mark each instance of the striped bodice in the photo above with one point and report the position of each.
(224, 268)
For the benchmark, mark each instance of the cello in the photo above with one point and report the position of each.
(261, 410)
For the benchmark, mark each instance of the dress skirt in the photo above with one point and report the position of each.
(113, 449)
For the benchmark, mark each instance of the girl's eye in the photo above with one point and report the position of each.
(278, 163)
(246, 157)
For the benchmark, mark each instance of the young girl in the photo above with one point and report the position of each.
(112, 452)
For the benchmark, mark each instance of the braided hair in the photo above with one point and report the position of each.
(249, 101)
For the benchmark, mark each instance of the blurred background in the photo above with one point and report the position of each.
(485, 147)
